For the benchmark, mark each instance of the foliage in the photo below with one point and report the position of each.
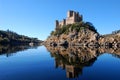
(115, 32)
(52, 33)
(74, 27)
(90, 26)
(14, 38)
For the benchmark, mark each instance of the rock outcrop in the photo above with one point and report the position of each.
(111, 40)
(82, 34)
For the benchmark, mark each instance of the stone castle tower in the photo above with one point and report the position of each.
(72, 17)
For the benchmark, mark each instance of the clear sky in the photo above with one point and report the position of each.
(36, 18)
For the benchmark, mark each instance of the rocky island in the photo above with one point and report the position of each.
(73, 31)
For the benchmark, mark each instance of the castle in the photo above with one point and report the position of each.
(72, 17)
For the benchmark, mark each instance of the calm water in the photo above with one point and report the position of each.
(43, 63)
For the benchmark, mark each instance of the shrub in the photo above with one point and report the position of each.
(76, 26)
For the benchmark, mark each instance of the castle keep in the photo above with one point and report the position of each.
(72, 17)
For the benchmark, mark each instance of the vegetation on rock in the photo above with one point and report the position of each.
(82, 34)
(74, 34)
(74, 27)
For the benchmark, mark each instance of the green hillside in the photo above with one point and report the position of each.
(10, 37)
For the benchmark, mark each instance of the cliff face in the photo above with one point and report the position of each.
(74, 34)
(110, 39)
(82, 34)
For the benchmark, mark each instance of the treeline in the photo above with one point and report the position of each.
(115, 32)
(10, 37)
(112, 34)
(10, 50)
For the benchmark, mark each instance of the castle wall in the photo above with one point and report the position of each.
(70, 20)
(72, 17)
(70, 14)
(61, 23)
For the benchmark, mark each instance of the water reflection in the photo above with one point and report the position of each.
(9, 50)
(74, 59)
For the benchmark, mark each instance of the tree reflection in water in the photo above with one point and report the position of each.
(9, 50)
(74, 59)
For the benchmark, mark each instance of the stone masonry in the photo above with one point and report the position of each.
(72, 17)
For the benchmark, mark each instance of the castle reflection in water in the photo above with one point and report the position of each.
(74, 59)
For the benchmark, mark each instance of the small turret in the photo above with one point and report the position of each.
(69, 14)
(57, 23)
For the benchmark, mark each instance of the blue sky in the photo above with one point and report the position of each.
(36, 18)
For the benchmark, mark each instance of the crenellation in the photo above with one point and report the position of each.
(57, 24)
(72, 17)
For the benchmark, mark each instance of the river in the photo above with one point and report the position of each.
(48, 63)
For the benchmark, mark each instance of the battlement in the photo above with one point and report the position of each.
(72, 17)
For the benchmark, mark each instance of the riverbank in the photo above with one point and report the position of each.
(12, 38)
